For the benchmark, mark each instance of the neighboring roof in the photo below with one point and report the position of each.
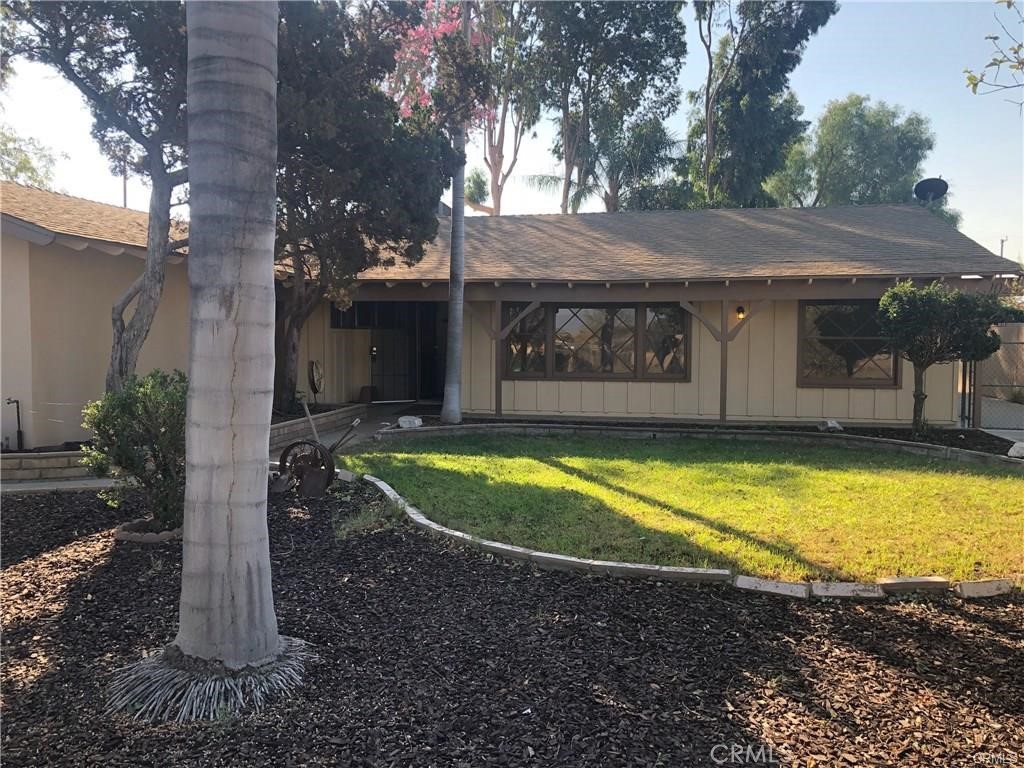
(77, 217)
(846, 241)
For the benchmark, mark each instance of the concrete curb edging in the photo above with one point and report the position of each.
(800, 590)
(639, 432)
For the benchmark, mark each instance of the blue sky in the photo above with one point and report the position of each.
(912, 54)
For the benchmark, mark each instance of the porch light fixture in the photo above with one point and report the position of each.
(741, 312)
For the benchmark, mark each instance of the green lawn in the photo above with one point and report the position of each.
(764, 509)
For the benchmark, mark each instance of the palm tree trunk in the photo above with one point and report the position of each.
(227, 607)
(451, 406)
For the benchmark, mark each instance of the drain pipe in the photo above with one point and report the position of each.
(17, 405)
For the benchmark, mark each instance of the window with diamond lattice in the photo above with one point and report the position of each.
(526, 341)
(665, 341)
(841, 345)
(595, 340)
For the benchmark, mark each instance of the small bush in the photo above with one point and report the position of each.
(139, 436)
(1017, 395)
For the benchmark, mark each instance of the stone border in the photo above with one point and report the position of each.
(801, 590)
(124, 533)
(960, 455)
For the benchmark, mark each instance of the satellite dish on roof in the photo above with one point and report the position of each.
(930, 190)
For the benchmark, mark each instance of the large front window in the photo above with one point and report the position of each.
(603, 341)
(841, 345)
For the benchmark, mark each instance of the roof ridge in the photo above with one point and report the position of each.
(678, 211)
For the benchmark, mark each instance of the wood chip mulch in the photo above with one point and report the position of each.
(436, 656)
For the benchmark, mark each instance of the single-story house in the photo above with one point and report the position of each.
(754, 315)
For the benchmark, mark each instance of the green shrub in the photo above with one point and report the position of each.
(139, 437)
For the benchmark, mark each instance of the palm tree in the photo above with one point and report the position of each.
(227, 653)
(451, 406)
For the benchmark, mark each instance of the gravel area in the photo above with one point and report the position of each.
(435, 656)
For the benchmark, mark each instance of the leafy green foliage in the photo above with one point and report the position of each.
(25, 160)
(357, 183)
(508, 45)
(476, 187)
(937, 324)
(139, 435)
(621, 56)
(860, 153)
(1005, 70)
(745, 118)
(128, 61)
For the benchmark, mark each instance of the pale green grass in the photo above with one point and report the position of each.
(771, 510)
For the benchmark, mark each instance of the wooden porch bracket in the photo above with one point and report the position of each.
(504, 332)
(723, 335)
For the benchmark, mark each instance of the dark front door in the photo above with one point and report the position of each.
(432, 336)
(389, 364)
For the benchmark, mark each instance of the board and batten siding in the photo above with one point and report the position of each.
(761, 383)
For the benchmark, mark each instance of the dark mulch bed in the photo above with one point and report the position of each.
(968, 439)
(431, 656)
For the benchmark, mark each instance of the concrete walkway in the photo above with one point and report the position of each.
(1017, 435)
(377, 416)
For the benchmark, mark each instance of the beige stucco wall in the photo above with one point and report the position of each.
(70, 294)
(16, 342)
(344, 355)
(761, 383)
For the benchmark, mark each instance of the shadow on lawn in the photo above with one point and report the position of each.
(777, 549)
(587, 526)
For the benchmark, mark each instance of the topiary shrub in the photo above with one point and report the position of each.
(139, 437)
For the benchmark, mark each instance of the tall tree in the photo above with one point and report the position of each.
(451, 404)
(751, 48)
(25, 160)
(128, 62)
(628, 54)
(618, 162)
(859, 153)
(357, 184)
(227, 653)
(512, 108)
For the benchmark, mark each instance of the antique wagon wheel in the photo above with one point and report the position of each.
(302, 456)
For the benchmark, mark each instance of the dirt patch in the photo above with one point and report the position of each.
(435, 656)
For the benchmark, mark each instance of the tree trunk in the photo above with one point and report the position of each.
(146, 291)
(287, 383)
(496, 186)
(566, 185)
(451, 406)
(919, 398)
(227, 606)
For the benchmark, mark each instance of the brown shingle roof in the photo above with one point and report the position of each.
(883, 240)
(78, 217)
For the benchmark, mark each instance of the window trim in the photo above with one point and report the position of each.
(803, 382)
(639, 345)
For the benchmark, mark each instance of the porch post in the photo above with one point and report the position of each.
(724, 378)
(498, 338)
